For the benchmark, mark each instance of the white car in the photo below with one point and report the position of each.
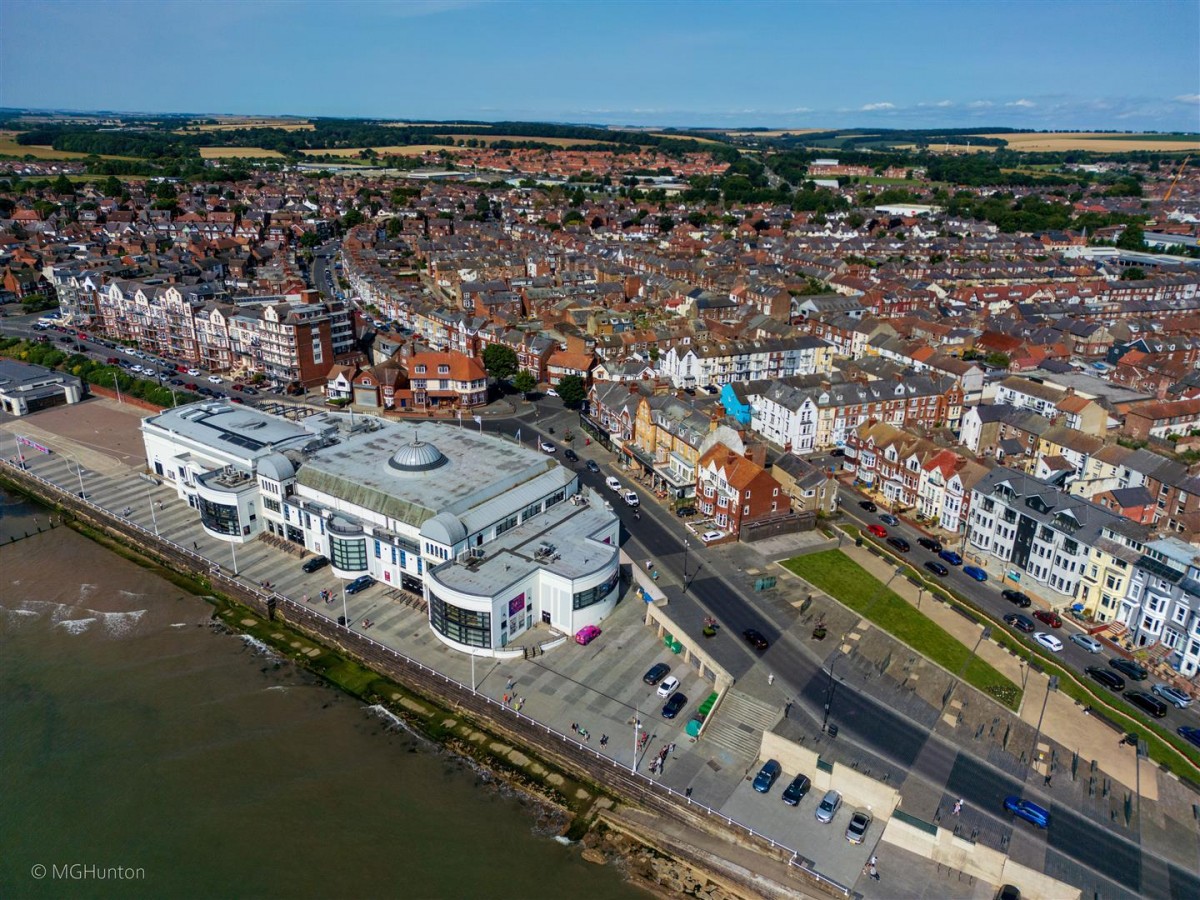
(1086, 641)
(547, 447)
(551, 392)
(214, 379)
(193, 372)
(1049, 641)
(632, 499)
(711, 536)
(668, 686)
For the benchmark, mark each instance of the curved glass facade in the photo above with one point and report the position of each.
(348, 554)
(219, 517)
(597, 594)
(465, 626)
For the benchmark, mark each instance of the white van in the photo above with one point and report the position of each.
(613, 484)
(631, 499)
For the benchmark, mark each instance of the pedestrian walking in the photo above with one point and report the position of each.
(506, 699)
(604, 740)
(649, 564)
(510, 684)
(688, 792)
(770, 679)
(195, 546)
(575, 727)
(874, 860)
(958, 805)
(671, 748)
(874, 873)
(787, 709)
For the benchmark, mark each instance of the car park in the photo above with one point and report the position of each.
(249, 390)
(1049, 641)
(1020, 622)
(796, 790)
(710, 536)
(1147, 703)
(1028, 810)
(571, 455)
(755, 639)
(113, 361)
(317, 562)
(930, 544)
(899, 543)
(1174, 696)
(1129, 668)
(889, 519)
(828, 807)
(975, 572)
(1022, 600)
(547, 447)
(937, 568)
(1048, 617)
(867, 505)
(684, 511)
(591, 466)
(669, 685)
(951, 557)
(856, 831)
(878, 530)
(361, 583)
(672, 707)
(586, 635)
(1086, 641)
(656, 673)
(766, 776)
(1189, 733)
(1106, 678)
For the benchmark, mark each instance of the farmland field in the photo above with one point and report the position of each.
(10, 147)
(350, 152)
(1098, 142)
(238, 152)
(241, 124)
(784, 132)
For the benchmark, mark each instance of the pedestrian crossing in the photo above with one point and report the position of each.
(740, 723)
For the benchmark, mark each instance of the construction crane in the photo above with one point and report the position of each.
(1175, 180)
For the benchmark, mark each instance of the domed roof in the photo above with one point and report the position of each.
(444, 528)
(418, 456)
(276, 467)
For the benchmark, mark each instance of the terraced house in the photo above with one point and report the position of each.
(1161, 607)
(716, 362)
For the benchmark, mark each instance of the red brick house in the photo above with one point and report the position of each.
(734, 490)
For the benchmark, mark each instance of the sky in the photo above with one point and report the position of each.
(1036, 64)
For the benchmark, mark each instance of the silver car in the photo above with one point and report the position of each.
(828, 807)
(1086, 641)
(1172, 695)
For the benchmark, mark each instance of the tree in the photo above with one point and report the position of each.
(998, 360)
(571, 390)
(165, 191)
(1133, 273)
(309, 239)
(665, 223)
(500, 361)
(62, 185)
(524, 381)
(353, 217)
(1132, 238)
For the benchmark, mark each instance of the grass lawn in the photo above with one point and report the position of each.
(839, 576)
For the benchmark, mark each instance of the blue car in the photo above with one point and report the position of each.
(975, 572)
(951, 557)
(1187, 732)
(888, 519)
(766, 776)
(1028, 810)
(361, 583)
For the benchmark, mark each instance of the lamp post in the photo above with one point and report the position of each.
(153, 517)
(117, 386)
(79, 472)
(1051, 686)
(829, 692)
(983, 636)
(233, 550)
(346, 614)
(685, 555)
(637, 727)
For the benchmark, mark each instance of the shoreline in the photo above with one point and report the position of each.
(563, 796)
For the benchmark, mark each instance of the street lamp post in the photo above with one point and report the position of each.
(637, 727)
(118, 387)
(346, 613)
(79, 472)
(233, 550)
(685, 555)
(983, 636)
(153, 517)
(829, 691)
(1052, 686)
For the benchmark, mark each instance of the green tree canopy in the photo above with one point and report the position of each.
(524, 381)
(500, 361)
(1133, 273)
(62, 185)
(571, 390)
(1132, 238)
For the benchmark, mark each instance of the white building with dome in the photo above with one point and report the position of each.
(496, 536)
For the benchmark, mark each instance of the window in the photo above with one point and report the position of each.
(219, 517)
(443, 370)
(597, 594)
(510, 522)
(464, 626)
(272, 505)
(348, 554)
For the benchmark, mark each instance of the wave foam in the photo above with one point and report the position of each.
(75, 626)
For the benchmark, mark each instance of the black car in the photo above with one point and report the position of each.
(657, 673)
(937, 569)
(1015, 597)
(900, 544)
(317, 562)
(672, 707)
(794, 792)
(571, 455)
(1129, 667)
(755, 639)
(361, 583)
(1147, 702)
(931, 544)
(684, 511)
(867, 505)
(591, 466)
(176, 381)
(1106, 678)
(1020, 622)
(837, 452)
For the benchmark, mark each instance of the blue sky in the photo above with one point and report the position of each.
(1045, 65)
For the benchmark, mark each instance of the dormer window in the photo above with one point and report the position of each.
(420, 370)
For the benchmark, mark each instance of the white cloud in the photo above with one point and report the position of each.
(1023, 103)
(873, 107)
(1188, 98)
(944, 103)
(979, 104)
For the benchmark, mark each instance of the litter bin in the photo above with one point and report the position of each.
(831, 731)
(858, 542)
(342, 621)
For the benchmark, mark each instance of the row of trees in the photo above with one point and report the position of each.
(502, 364)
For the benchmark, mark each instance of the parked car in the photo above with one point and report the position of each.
(1028, 810)
(711, 536)
(931, 544)
(672, 707)
(755, 639)
(1174, 696)
(951, 557)
(571, 455)
(1020, 622)
(856, 831)
(587, 634)
(249, 390)
(867, 505)
(239, 387)
(878, 530)
(668, 686)
(899, 543)
(656, 673)
(828, 807)
(1106, 678)
(937, 568)
(1129, 667)
(176, 381)
(591, 466)
(975, 572)
(888, 519)
(193, 372)
(1147, 703)
(192, 386)
(684, 511)
(796, 790)
(361, 583)
(1022, 600)
(214, 379)
(837, 451)
(237, 400)
(547, 447)
(551, 392)
(766, 776)
(1086, 641)
(1188, 733)
(1049, 641)
(317, 562)
(1049, 617)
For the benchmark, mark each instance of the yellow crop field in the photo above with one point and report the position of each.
(1096, 142)
(10, 147)
(784, 132)
(438, 125)
(351, 152)
(683, 137)
(553, 141)
(238, 124)
(238, 152)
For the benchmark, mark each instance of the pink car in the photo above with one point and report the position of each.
(587, 634)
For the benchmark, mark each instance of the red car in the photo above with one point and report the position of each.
(1049, 616)
(878, 530)
(587, 634)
